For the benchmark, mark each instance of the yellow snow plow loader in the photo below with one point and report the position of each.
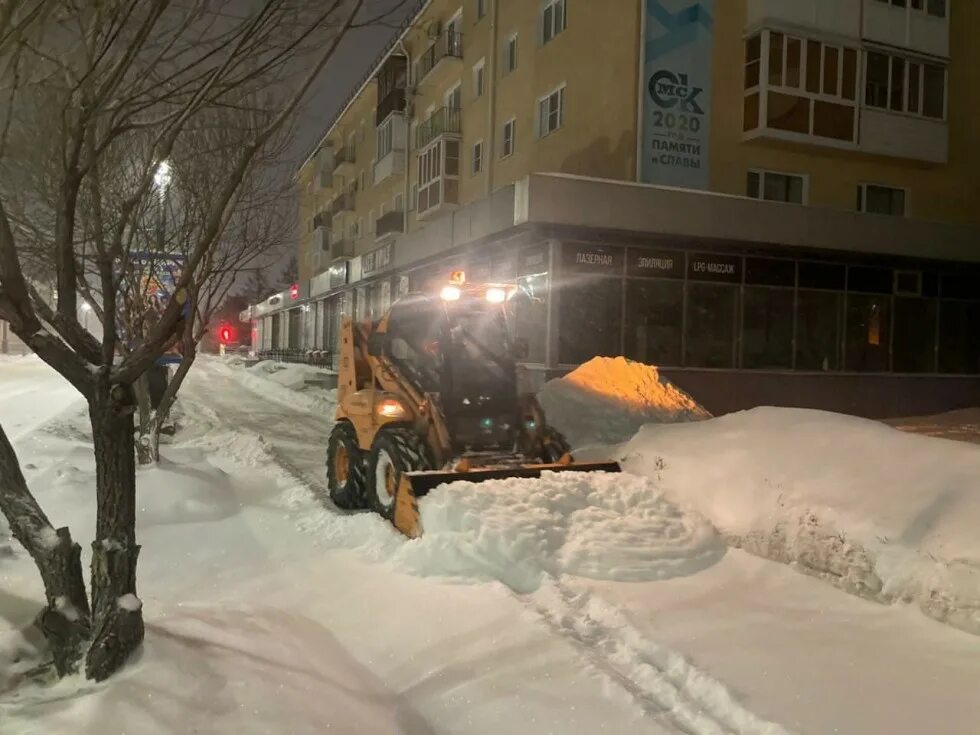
(428, 395)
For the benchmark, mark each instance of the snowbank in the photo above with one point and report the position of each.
(595, 525)
(962, 425)
(284, 383)
(885, 514)
(608, 399)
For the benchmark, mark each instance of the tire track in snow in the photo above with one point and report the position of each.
(662, 682)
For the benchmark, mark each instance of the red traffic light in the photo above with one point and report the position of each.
(226, 334)
(294, 291)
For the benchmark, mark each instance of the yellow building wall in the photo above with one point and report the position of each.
(596, 57)
(937, 192)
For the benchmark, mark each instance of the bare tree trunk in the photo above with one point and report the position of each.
(144, 450)
(65, 620)
(116, 611)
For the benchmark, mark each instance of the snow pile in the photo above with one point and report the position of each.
(284, 383)
(881, 513)
(595, 525)
(608, 399)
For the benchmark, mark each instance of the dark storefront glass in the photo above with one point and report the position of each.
(710, 325)
(530, 304)
(867, 331)
(959, 337)
(767, 328)
(591, 312)
(914, 341)
(654, 312)
(818, 319)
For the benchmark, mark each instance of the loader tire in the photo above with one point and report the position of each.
(345, 468)
(396, 450)
(554, 445)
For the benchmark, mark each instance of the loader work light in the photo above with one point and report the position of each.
(496, 295)
(391, 409)
(451, 293)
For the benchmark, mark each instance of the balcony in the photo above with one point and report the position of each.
(321, 239)
(444, 122)
(345, 155)
(908, 27)
(392, 79)
(393, 102)
(337, 205)
(449, 45)
(341, 249)
(323, 167)
(392, 135)
(389, 224)
(898, 135)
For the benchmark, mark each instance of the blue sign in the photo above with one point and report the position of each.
(676, 109)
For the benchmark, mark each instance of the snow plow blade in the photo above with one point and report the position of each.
(415, 485)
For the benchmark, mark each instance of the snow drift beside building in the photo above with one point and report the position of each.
(608, 399)
(878, 512)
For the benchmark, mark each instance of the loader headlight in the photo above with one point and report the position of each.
(486, 424)
(451, 293)
(496, 295)
(389, 408)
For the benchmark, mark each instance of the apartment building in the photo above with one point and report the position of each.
(781, 192)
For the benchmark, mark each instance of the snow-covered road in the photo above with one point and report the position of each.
(268, 611)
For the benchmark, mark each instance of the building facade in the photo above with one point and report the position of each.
(774, 200)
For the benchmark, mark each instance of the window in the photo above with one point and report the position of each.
(510, 54)
(775, 187)
(398, 203)
(481, 9)
(361, 132)
(653, 321)
(936, 8)
(479, 69)
(478, 157)
(914, 342)
(710, 323)
(876, 199)
(905, 85)
(767, 327)
(385, 137)
(453, 98)
(438, 180)
(552, 20)
(370, 228)
(551, 110)
(959, 348)
(509, 138)
(590, 306)
(867, 332)
(810, 87)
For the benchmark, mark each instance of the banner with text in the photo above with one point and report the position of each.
(676, 109)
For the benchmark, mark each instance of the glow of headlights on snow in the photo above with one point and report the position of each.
(496, 295)
(451, 293)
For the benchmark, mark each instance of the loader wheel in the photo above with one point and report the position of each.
(395, 450)
(345, 468)
(554, 446)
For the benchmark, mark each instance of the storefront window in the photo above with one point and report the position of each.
(818, 319)
(530, 309)
(591, 312)
(914, 343)
(710, 325)
(767, 328)
(867, 332)
(653, 321)
(959, 342)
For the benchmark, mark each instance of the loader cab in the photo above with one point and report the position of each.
(460, 350)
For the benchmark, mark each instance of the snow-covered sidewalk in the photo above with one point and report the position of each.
(579, 604)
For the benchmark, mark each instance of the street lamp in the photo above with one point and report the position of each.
(161, 177)
(86, 308)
